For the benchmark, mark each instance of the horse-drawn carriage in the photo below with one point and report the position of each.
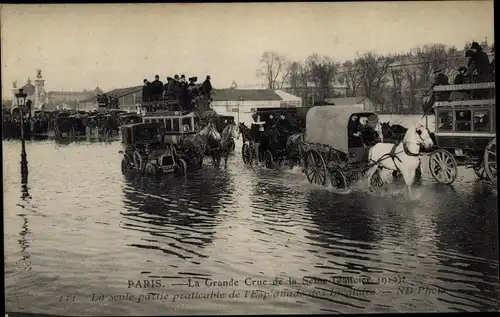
(64, 123)
(330, 150)
(465, 132)
(145, 151)
(268, 139)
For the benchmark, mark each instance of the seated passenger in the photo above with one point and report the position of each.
(354, 134)
(373, 131)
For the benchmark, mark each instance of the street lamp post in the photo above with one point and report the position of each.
(21, 102)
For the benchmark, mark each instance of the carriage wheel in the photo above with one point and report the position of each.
(268, 159)
(338, 179)
(125, 164)
(480, 172)
(246, 154)
(181, 167)
(376, 180)
(443, 166)
(490, 161)
(137, 160)
(315, 168)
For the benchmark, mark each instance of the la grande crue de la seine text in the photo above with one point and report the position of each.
(306, 280)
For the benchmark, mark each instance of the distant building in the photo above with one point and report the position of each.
(35, 93)
(241, 103)
(70, 97)
(128, 99)
(52, 99)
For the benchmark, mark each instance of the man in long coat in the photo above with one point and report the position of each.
(478, 61)
(206, 87)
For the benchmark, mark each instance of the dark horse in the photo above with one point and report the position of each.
(392, 133)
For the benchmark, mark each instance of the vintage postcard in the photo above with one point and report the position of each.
(249, 158)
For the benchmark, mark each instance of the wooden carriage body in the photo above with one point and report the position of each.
(180, 131)
(465, 132)
(327, 132)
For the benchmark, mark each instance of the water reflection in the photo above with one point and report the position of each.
(25, 231)
(179, 214)
(468, 239)
(24, 243)
(467, 221)
(345, 216)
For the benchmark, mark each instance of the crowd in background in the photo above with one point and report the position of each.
(71, 123)
(176, 89)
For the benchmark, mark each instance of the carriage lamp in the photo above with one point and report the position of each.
(21, 103)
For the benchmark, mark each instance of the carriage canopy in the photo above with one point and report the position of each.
(328, 125)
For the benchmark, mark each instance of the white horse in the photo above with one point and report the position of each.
(403, 156)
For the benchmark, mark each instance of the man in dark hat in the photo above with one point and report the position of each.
(206, 87)
(478, 61)
(460, 77)
(439, 79)
(165, 87)
(158, 87)
(374, 127)
(146, 90)
(192, 81)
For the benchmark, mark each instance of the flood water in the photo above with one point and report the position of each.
(89, 231)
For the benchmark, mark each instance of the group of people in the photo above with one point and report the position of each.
(479, 63)
(479, 69)
(176, 88)
(38, 123)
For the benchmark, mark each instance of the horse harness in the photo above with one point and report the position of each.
(393, 155)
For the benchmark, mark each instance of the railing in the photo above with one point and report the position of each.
(489, 85)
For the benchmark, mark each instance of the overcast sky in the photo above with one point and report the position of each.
(82, 46)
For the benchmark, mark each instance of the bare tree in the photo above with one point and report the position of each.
(322, 72)
(374, 70)
(274, 69)
(352, 77)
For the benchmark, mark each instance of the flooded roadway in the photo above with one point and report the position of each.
(88, 231)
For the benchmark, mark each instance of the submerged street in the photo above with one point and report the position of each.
(283, 245)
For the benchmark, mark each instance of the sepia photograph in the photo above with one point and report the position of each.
(249, 158)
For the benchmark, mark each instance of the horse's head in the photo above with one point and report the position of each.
(227, 133)
(210, 134)
(419, 135)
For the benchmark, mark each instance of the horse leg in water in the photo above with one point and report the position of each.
(215, 158)
(370, 173)
(226, 156)
(409, 177)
